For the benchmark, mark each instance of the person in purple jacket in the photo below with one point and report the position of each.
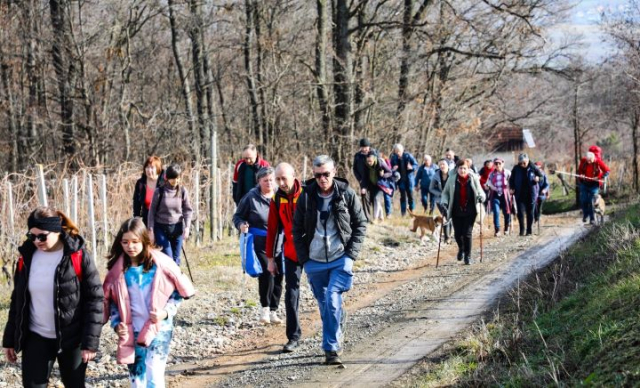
(170, 214)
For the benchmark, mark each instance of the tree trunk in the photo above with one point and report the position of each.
(14, 129)
(197, 53)
(264, 124)
(321, 69)
(342, 78)
(65, 70)
(251, 84)
(576, 138)
(186, 90)
(634, 136)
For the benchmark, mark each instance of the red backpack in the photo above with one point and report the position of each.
(76, 260)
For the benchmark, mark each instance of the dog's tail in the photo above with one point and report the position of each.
(411, 213)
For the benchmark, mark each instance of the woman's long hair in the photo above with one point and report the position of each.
(137, 227)
(68, 227)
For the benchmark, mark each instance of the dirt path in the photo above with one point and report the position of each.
(395, 318)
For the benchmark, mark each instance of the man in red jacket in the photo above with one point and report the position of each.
(281, 210)
(592, 171)
(244, 173)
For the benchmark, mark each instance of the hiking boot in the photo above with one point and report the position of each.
(274, 318)
(496, 233)
(264, 316)
(460, 255)
(332, 358)
(506, 232)
(290, 347)
(529, 233)
(592, 222)
(584, 219)
(467, 260)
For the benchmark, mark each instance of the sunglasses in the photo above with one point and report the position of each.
(319, 175)
(42, 237)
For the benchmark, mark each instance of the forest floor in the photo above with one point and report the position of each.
(400, 309)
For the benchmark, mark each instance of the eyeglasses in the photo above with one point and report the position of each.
(42, 237)
(319, 175)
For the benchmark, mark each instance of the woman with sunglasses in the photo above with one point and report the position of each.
(56, 304)
(143, 289)
(170, 214)
(252, 216)
(499, 195)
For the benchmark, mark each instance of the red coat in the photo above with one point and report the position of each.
(281, 210)
(595, 170)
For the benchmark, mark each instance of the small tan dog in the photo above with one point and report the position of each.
(599, 208)
(425, 223)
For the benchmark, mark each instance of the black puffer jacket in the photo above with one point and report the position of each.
(348, 213)
(139, 194)
(78, 304)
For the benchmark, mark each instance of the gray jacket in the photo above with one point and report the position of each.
(435, 186)
(449, 191)
(172, 209)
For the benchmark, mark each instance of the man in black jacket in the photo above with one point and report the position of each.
(361, 172)
(328, 231)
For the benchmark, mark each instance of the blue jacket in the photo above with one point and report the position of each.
(523, 179)
(424, 176)
(543, 187)
(408, 181)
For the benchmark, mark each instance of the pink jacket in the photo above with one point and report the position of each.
(167, 279)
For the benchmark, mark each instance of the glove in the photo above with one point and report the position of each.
(606, 175)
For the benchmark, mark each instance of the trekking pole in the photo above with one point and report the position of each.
(481, 237)
(439, 242)
(577, 176)
(187, 261)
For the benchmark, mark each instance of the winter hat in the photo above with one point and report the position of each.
(498, 160)
(365, 142)
(522, 157)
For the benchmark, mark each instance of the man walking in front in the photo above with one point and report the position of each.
(328, 231)
(281, 211)
(523, 183)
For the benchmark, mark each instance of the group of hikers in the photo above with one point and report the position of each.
(59, 305)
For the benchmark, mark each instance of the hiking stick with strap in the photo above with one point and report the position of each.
(481, 250)
(187, 261)
(439, 242)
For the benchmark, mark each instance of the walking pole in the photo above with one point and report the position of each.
(439, 242)
(187, 261)
(481, 250)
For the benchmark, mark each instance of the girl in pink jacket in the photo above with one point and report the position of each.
(143, 289)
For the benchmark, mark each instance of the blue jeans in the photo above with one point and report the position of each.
(169, 237)
(428, 200)
(500, 203)
(328, 281)
(388, 204)
(406, 195)
(586, 200)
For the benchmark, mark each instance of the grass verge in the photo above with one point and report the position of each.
(577, 322)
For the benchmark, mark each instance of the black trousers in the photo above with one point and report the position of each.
(525, 207)
(463, 230)
(269, 286)
(292, 275)
(38, 357)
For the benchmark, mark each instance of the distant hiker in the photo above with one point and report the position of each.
(143, 290)
(592, 171)
(484, 173)
(360, 171)
(388, 198)
(252, 216)
(377, 171)
(499, 195)
(244, 173)
(438, 182)
(152, 177)
(329, 227)
(523, 183)
(472, 167)
(56, 303)
(543, 191)
(404, 163)
(281, 210)
(462, 196)
(423, 180)
(451, 158)
(170, 214)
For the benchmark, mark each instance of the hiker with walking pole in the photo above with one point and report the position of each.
(463, 196)
(446, 223)
(500, 199)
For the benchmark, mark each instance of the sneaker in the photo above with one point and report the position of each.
(332, 358)
(496, 233)
(264, 316)
(506, 232)
(274, 318)
(467, 260)
(529, 233)
(290, 347)
(592, 222)
(584, 219)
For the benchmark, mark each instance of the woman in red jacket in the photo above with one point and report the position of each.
(592, 171)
